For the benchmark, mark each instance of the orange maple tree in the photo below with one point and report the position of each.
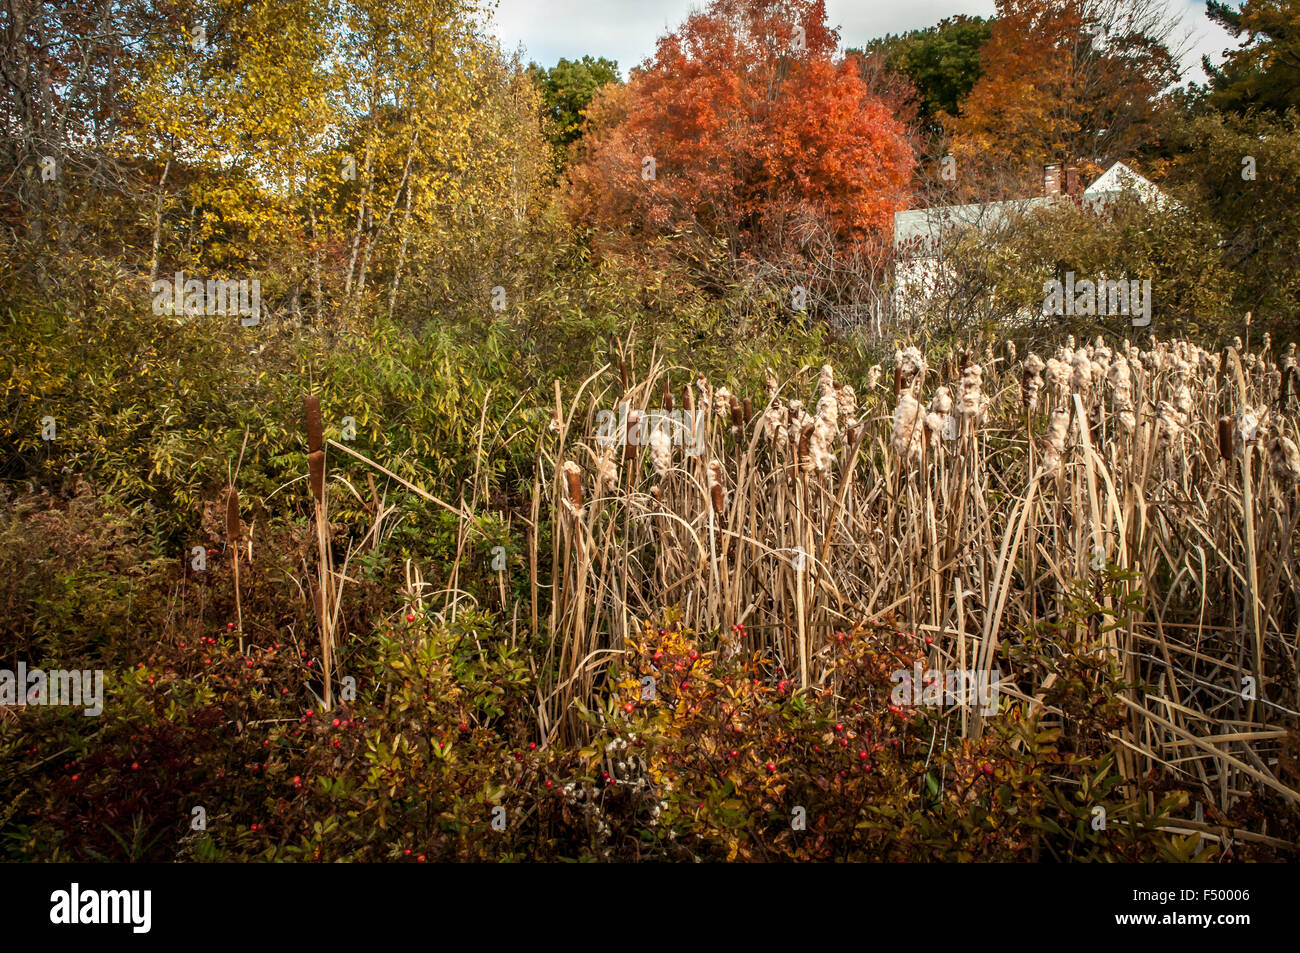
(1064, 80)
(744, 126)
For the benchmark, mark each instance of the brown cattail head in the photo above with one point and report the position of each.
(688, 399)
(805, 436)
(315, 426)
(232, 515)
(737, 421)
(717, 493)
(573, 479)
(1225, 438)
(316, 470)
(748, 409)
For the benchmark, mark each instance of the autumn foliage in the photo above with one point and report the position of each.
(743, 127)
(1064, 80)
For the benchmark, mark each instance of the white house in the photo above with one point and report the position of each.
(920, 234)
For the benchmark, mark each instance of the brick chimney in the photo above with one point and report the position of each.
(1052, 179)
(1071, 179)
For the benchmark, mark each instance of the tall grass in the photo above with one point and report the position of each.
(974, 502)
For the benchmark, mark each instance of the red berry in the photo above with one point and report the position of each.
(410, 617)
(733, 752)
(838, 726)
(229, 626)
(337, 722)
(987, 768)
(771, 766)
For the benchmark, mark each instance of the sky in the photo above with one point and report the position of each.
(626, 30)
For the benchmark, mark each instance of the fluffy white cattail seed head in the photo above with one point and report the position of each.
(908, 424)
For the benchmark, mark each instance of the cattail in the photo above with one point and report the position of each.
(1058, 377)
(232, 515)
(316, 471)
(737, 418)
(706, 395)
(803, 439)
(1056, 434)
(315, 427)
(1122, 395)
(847, 399)
(573, 478)
(1248, 427)
(825, 427)
(606, 474)
(938, 419)
(826, 381)
(798, 417)
(722, 403)
(668, 397)
(908, 427)
(1032, 380)
(972, 400)
(631, 440)
(910, 362)
(1285, 458)
(1081, 378)
(748, 409)
(661, 452)
(774, 428)
(717, 492)
(1227, 434)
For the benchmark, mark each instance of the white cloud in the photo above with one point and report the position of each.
(626, 30)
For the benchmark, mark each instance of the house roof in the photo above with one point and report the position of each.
(1120, 178)
(917, 232)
